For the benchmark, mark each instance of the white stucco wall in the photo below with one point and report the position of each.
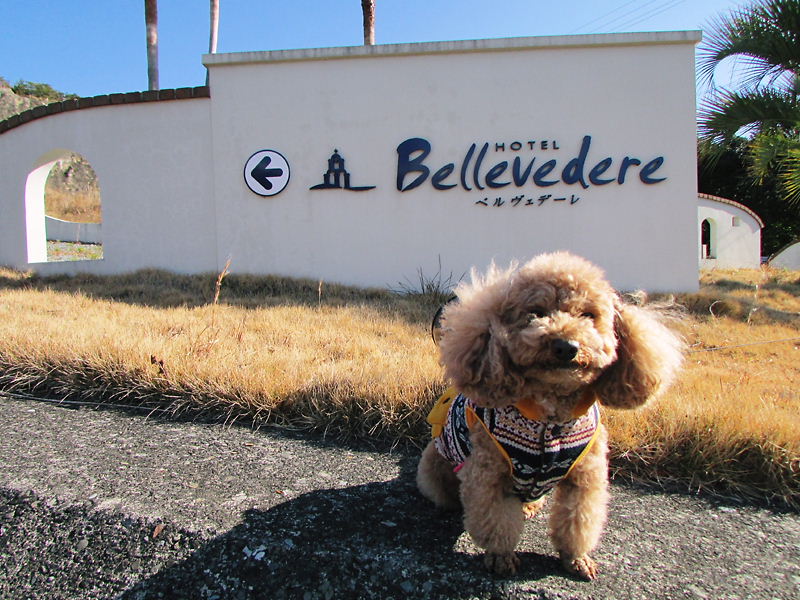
(735, 232)
(788, 258)
(72, 231)
(633, 94)
(172, 183)
(152, 162)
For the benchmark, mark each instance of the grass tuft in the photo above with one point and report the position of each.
(432, 290)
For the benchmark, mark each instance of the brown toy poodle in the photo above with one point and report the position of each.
(531, 351)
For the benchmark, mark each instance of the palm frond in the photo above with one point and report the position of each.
(709, 153)
(777, 153)
(764, 152)
(765, 39)
(729, 113)
(789, 175)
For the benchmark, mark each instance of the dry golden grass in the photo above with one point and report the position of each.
(731, 422)
(360, 365)
(82, 207)
(315, 357)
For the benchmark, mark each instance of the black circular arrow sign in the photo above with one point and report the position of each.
(266, 172)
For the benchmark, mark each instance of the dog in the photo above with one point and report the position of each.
(531, 352)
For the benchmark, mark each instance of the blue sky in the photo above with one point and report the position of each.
(90, 47)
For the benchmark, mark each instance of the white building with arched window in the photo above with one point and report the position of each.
(729, 234)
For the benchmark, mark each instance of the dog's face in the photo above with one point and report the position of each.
(555, 328)
(546, 331)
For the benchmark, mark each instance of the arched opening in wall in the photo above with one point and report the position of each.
(708, 243)
(63, 209)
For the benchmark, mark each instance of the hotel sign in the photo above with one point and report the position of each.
(526, 169)
(471, 172)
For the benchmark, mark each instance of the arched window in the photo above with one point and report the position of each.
(708, 243)
(63, 209)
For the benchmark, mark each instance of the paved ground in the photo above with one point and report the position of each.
(101, 504)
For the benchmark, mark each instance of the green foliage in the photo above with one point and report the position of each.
(40, 90)
(729, 114)
(778, 153)
(764, 38)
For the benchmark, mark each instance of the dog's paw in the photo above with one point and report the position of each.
(501, 564)
(531, 509)
(583, 566)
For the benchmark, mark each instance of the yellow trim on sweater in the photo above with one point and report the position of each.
(472, 418)
(588, 445)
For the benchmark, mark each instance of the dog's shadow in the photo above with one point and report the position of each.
(374, 540)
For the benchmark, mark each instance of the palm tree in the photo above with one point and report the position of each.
(368, 10)
(765, 39)
(151, 22)
(214, 30)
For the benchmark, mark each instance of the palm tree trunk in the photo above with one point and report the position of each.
(368, 10)
(151, 21)
(214, 30)
(212, 41)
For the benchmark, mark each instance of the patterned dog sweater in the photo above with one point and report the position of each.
(539, 453)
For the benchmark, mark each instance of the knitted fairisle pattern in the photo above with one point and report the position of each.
(540, 454)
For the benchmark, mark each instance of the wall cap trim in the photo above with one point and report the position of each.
(53, 108)
(461, 46)
(741, 207)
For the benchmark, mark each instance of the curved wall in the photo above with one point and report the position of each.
(154, 162)
(787, 258)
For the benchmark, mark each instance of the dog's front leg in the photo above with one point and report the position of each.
(492, 517)
(579, 510)
(436, 480)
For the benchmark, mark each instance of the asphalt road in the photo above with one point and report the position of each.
(103, 504)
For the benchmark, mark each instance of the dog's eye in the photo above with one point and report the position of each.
(538, 313)
(589, 315)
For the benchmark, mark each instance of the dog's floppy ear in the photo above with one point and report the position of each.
(648, 358)
(474, 360)
(465, 345)
(473, 339)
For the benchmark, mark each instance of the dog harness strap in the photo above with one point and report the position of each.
(472, 420)
(539, 453)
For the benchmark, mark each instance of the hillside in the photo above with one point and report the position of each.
(72, 192)
(12, 103)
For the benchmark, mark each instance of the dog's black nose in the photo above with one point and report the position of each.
(565, 350)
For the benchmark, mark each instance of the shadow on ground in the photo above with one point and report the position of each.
(379, 540)
(162, 289)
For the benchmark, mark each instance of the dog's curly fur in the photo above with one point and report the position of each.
(499, 345)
